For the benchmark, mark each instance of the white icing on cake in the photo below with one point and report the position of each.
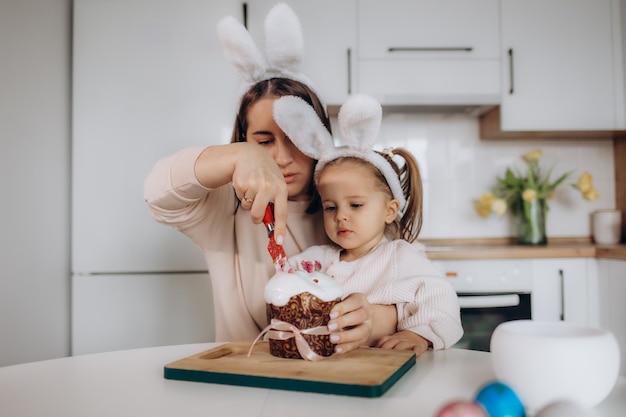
(284, 285)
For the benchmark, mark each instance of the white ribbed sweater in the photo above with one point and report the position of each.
(397, 272)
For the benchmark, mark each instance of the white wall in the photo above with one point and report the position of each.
(34, 179)
(457, 167)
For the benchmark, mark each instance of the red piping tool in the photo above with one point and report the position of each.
(275, 250)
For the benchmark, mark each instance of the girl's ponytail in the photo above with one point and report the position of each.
(410, 222)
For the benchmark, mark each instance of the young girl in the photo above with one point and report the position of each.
(373, 214)
(211, 194)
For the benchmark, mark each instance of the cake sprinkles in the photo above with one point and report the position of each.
(299, 302)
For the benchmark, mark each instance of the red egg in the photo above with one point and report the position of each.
(461, 408)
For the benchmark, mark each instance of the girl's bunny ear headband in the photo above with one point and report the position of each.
(359, 122)
(283, 48)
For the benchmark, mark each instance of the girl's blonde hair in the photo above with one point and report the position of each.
(408, 224)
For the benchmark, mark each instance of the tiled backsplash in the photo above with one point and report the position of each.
(457, 167)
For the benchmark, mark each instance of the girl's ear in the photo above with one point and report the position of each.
(393, 206)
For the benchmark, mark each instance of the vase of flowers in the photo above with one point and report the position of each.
(531, 225)
(526, 196)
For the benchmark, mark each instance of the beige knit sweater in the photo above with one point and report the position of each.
(397, 273)
(235, 249)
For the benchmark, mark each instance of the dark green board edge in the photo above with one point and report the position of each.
(288, 383)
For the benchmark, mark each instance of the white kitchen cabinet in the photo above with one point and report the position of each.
(329, 31)
(612, 293)
(429, 51)
(149, 78)
(114, 312)
(561, 66)
(565, 289)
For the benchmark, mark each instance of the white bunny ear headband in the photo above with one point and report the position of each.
(283, 48)
(359, 122)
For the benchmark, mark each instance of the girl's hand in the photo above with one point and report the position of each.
(355, 322)
(404, 340)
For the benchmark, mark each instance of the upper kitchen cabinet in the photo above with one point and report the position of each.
(329, 31)
(429, 52)
(562, 72)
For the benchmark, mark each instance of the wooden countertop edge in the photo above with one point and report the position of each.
(505, 248)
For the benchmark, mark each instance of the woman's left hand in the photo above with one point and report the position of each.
(355, 322)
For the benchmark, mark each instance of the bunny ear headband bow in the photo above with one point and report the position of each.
(359, 122)
(283, 48)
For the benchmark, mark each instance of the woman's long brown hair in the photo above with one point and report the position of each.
(275, 87)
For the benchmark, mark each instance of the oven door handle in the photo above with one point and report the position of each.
(489, 301)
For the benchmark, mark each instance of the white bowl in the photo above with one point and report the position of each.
(545, 362)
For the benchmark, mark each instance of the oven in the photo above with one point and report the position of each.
(490, 292)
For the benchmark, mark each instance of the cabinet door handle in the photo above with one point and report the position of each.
(562, 284)
(431, 49)
(244, 7)
(511, 83)
(349, 57)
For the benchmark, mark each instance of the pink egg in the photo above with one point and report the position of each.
(461, 408)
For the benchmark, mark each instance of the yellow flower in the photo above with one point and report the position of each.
(482, 210)
(529, 194)
(591, 195)
(483, 205)
(515, 187)
(487, 199)
(534, 155)
(585, 182)
(499, 206)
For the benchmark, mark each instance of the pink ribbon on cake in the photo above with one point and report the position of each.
(281, 330)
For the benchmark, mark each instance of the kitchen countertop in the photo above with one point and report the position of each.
(131, 383)
(506, 248)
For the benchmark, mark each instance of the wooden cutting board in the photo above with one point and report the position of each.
(364, 372)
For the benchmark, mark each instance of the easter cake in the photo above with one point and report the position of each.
(298, 307)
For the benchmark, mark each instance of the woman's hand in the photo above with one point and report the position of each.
(258, 181)
(355, 322)
(404, 340)
(254, 174)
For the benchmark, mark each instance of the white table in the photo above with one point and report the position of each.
(131, 383)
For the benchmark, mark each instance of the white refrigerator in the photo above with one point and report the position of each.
(149, 78)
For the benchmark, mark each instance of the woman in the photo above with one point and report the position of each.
(218, 195)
